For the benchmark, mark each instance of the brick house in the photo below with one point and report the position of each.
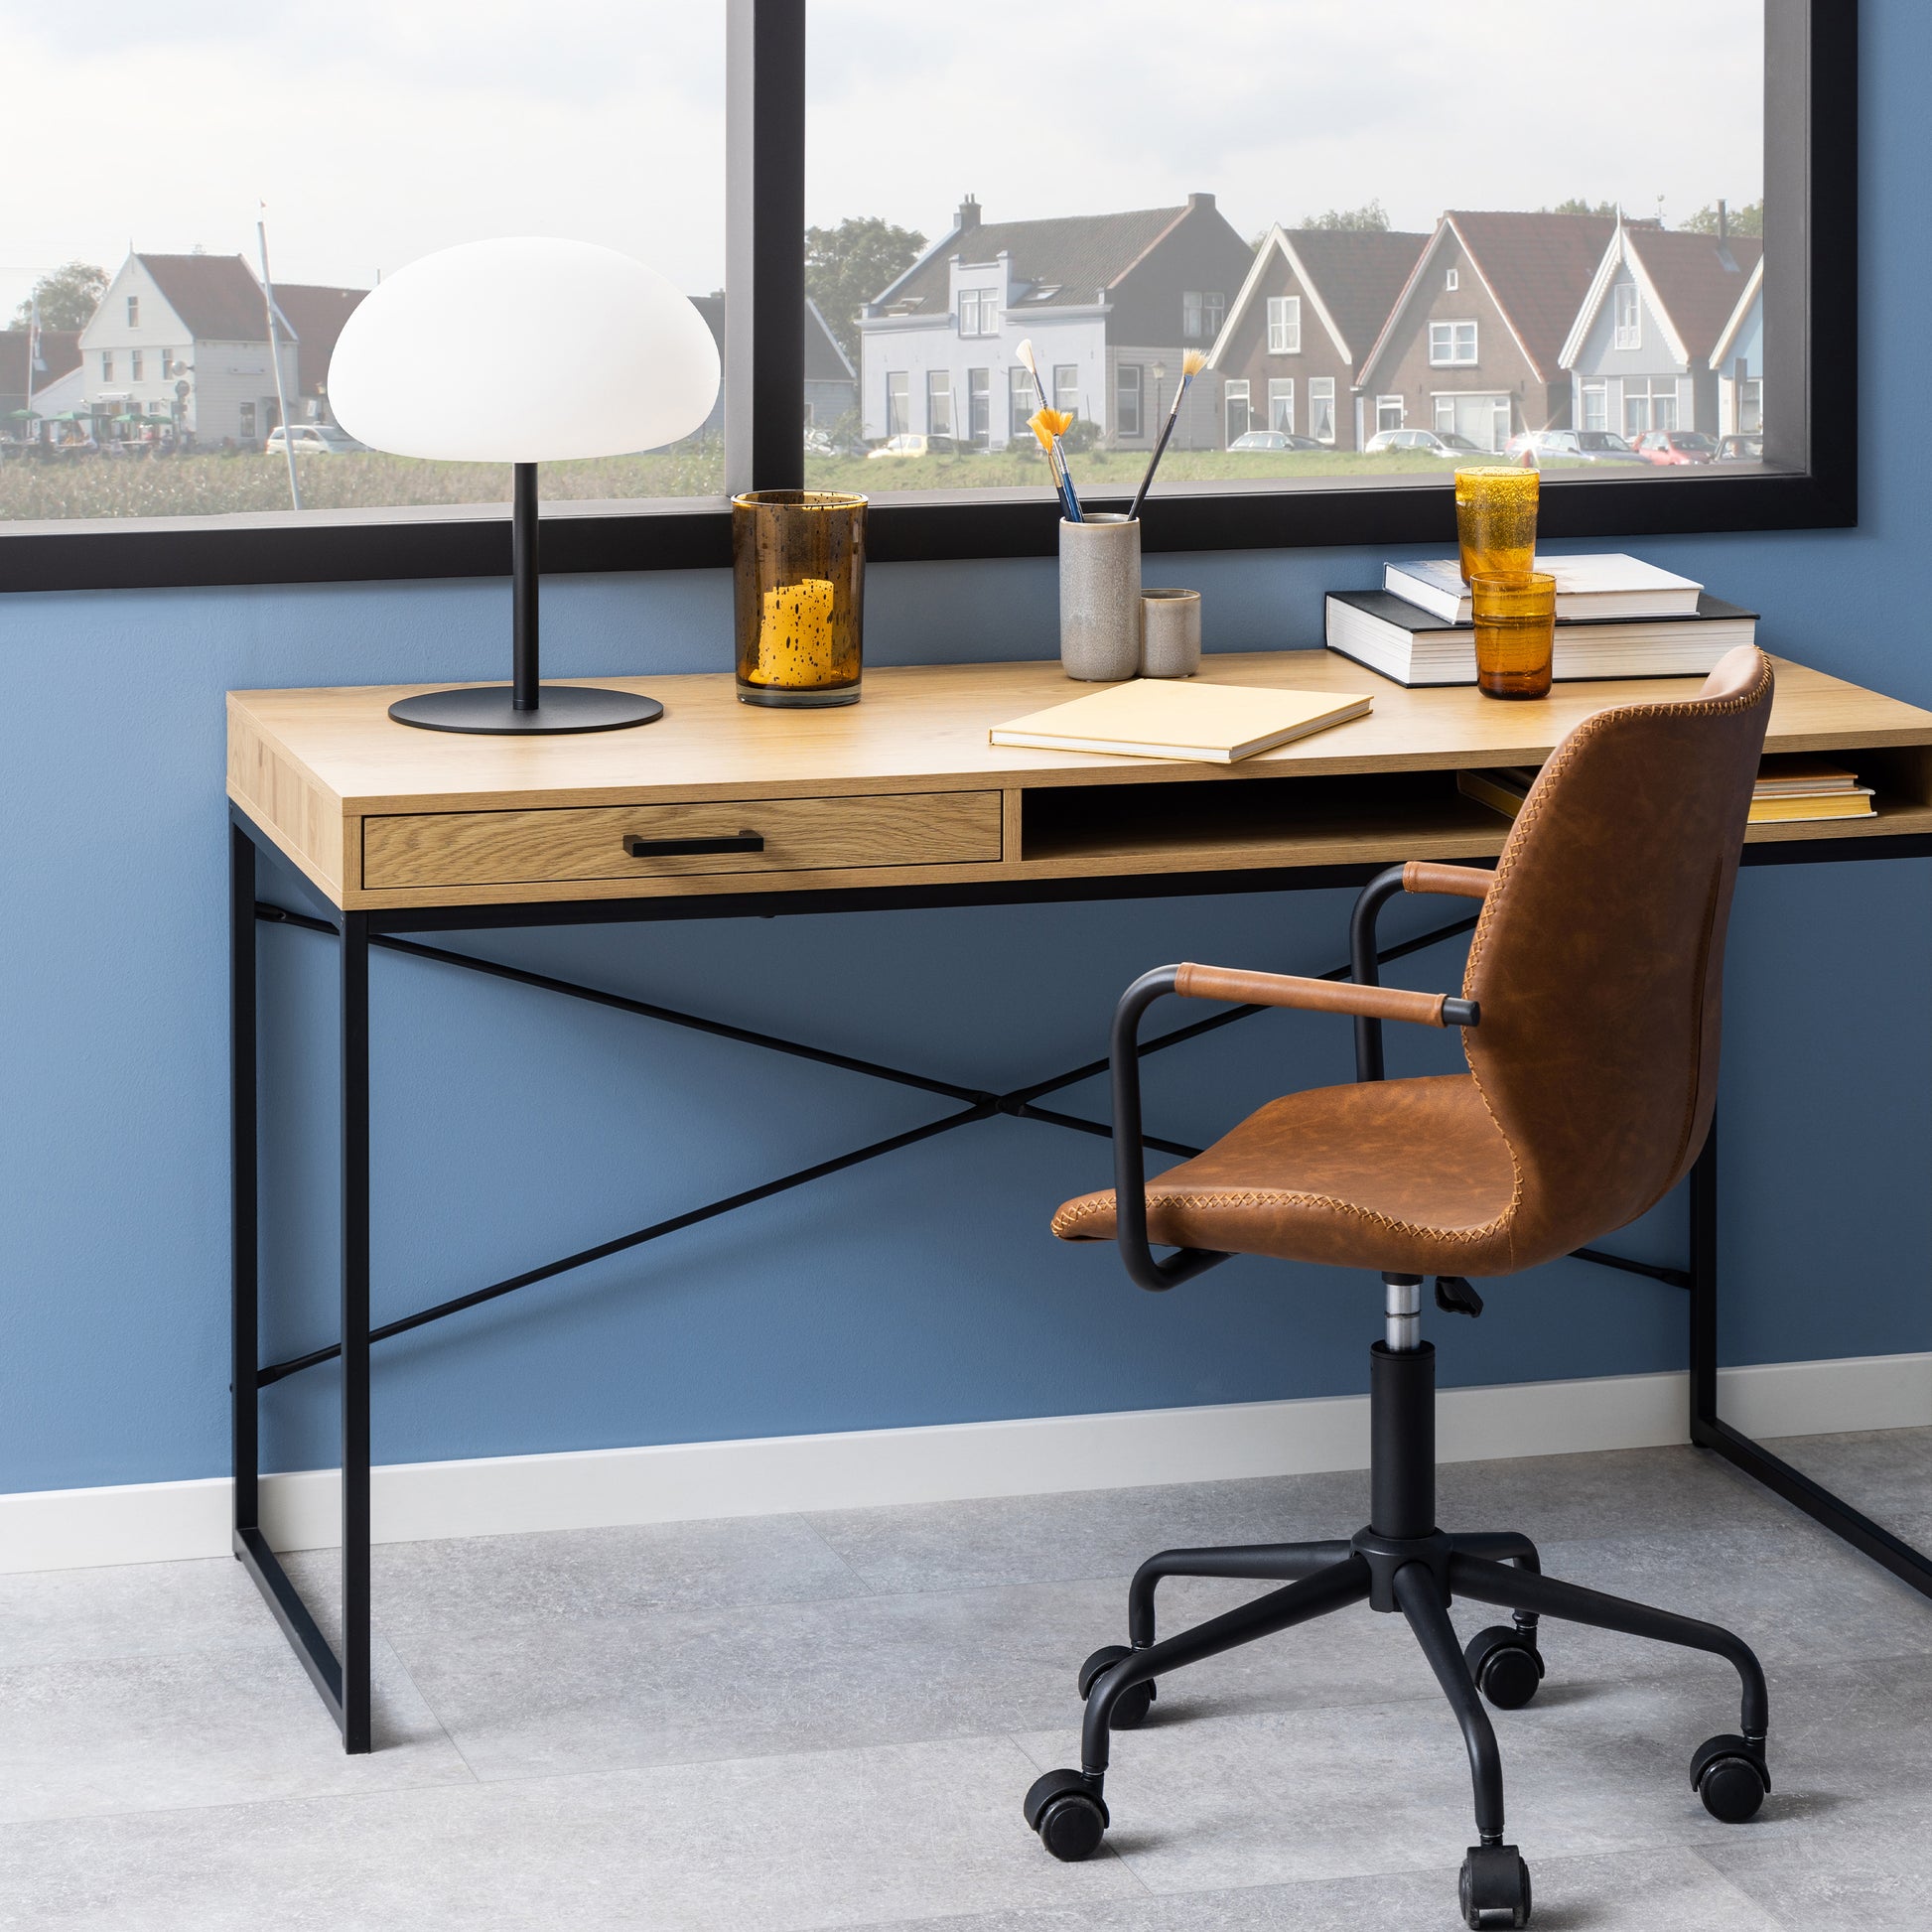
(1312, 305)
(1474, 342)
(59, 356)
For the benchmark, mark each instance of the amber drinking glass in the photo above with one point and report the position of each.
(1495, 518)
(1516, 633)
(798, 559)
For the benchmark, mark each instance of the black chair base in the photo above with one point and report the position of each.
(1417, 1573)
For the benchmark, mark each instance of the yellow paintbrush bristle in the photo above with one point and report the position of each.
(1193, 361)
(1050, 423)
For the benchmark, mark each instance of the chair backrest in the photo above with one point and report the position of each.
(1598, 958)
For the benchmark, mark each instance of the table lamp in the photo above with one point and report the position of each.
(523, 351)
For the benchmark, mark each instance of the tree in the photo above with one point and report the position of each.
(1371, 217)
(847, 266)
(1576, 205)
(1748, 219)
(68, 297)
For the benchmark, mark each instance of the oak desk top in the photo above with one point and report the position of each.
(903, 787)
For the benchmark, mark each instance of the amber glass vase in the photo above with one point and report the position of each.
(1516, 633)
(1495, 518)
(798, 558)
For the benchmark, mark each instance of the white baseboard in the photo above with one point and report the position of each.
(160, 1522)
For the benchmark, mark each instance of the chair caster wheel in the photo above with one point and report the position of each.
(1506, 1668)
(1494, 1888)
(1067, 1811)
(1132, 1705)
(1729, 1775)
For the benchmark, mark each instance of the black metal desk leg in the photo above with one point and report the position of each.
(244, 1224)
(356, 1332)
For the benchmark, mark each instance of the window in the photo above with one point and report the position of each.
(1020, 402)
(134, 311)
(1389, 413)
(899, 391)
(1452, 344)
(979, 311)
(1751, 405)
(1190, 315)
(1284, 325)
(108, 365)
(245, 422)
(1067, 389)
(1628, 325)
(1127, 400)
(1234, 401)
(134, 366)
(979, 407)
(1651, 406)
(1453, 280)
(938, 402)
(1483, 420)
(1596, 405)
(1322, 408)
(1213, 312)
(1281, 403)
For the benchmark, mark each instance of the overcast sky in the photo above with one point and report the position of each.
(377, 132)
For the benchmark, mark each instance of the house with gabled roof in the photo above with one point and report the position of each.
(1312, 305)
(1110, 303)
(1738, 356)
(185, 337)
(1643, 352)
(26, 384)
(1474, 342)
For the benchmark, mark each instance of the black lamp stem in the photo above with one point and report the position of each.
(523, 586)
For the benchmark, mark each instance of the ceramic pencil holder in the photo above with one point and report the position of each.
(1169, 633)
(1100, 599)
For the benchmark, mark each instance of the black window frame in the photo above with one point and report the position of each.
(1811, 199)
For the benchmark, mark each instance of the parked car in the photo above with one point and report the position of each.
(1274, 439)
(1745, 447)
(1673, 447)
(1444, 443)
(313, 439)
(917, 446)
(1572, 445)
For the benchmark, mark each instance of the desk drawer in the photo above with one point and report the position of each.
(933, 828)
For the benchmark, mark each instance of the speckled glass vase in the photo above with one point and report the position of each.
(1100, 599)
(799, 557)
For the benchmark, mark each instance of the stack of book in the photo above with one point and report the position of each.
(1788, 786)
(1616, 616)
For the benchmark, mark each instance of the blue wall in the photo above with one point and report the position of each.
(923, 1287)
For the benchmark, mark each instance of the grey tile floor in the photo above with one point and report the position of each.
(828, 1721)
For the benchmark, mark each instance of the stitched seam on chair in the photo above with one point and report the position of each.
(1276, 1198)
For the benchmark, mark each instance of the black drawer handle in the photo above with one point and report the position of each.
(638, 848)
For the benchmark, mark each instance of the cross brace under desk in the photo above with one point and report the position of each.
(343, 1681)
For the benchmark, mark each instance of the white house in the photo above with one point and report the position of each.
(186, 337)
(1109, 300)
(1739, 358)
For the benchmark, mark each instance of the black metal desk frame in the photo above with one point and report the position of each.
(343, 1681)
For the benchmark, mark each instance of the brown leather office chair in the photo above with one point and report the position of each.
(1591, 1004)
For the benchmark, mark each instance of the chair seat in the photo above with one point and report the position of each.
(1403, 1177)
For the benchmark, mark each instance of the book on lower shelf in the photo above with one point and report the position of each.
(1789, 787)
(1610, 585)
(1410, 646)
(1164, 718)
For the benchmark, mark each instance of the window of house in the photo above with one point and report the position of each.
(1596, 405)
(979, 406)
(1067, 389)
(1389, 413)
(1751, 405)
(134, 363)
(1281, 403)
(899, 393)
(1453, 280)
(1628, 324)
(134, 311)
(1190, 315)
(979, 311)
(938, 402)
(1234, 403)
(108, 365)
(1020, 402)
(1452, 344)
(1483, 419)
(1649, 405)
(1127, 399)
(1284, 325)
(246, 428)
(1322, 408)
(1213, 312)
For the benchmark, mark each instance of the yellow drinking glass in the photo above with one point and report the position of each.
(1516, 633)
(1495, 518)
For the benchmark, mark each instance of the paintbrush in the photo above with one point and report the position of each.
(1056, 455)
(1192, 365)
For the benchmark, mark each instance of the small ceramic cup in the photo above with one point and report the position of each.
(1169, 633)
(1100, 599)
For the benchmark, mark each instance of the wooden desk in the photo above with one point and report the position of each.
(899, 800)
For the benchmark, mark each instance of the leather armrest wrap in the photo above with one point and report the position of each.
(1243, 988)
(1459, 881)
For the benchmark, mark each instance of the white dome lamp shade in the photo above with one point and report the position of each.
(523, 351)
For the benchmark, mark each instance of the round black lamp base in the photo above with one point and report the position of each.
(560, 708)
